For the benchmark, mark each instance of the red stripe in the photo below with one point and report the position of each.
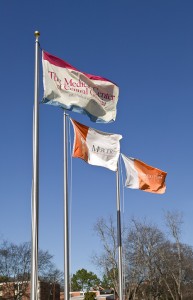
(57, 61)
(63, 64)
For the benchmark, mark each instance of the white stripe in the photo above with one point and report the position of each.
(132, 179)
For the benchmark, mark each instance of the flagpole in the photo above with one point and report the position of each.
(66, 231)
(119, 239)
(35, 182)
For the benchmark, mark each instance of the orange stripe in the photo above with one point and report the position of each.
(150, 179)
(80, 149)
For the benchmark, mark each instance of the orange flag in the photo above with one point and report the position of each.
(96, 147)
(144, 177)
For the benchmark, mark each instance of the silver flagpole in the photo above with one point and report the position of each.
(66, 234)
(35, 182)
(119, 240)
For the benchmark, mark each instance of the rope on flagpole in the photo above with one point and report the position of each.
(40, 46)
(123, 218)
(35, 180)
(70, 194)
(123, 189)
(66, 227)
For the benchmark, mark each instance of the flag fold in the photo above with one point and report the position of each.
(66, 86)
(144, 177)
(96, 147)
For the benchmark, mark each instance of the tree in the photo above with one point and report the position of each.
(83, 280)
(89, 296)
(108, 259)
(106, 281)
(174, 222)
(143, 243)
(169, 269)
(154, 266)
(15, 267)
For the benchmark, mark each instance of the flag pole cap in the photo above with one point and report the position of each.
(37, 34)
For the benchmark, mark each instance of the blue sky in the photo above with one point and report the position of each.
(146, 47)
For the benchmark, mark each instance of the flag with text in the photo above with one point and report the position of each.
(96, 147)
(74, 90)
(144, 177)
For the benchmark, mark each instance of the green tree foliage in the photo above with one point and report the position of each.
(89, 296)
(106, 281)
(83, 280)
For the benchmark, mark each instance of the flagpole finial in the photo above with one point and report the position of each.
(37, 34)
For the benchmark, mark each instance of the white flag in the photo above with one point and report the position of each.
(71, 89)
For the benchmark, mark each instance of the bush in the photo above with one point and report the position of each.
(89, 296)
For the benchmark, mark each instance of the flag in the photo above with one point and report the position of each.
(96, 147)
(74, 90)
(144, 177)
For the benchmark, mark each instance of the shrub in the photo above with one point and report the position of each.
(89, 296)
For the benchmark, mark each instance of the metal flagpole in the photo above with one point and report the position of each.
(35, 182)
(66, 234)
(119, 240)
